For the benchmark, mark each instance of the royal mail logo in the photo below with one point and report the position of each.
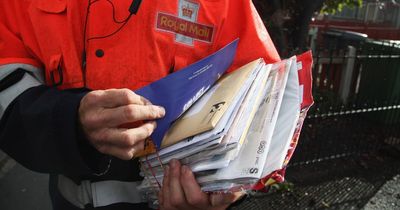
(183, 27)
(187, 11)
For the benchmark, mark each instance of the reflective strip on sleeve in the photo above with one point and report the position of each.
(99, 194)
(33, 77)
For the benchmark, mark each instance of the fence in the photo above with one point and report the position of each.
(357, 102)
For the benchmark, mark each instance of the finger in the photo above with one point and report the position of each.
(130, 113)
(128, 137)
(165, 190)
(194, 195)
(119, 97)
(177, 195)
(122, 153)
(224, 199)
(146, 101)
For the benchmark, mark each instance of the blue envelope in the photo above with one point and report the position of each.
(178, 91)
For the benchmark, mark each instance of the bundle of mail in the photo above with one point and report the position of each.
(242, 130)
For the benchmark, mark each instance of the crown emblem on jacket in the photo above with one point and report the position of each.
(187, 11)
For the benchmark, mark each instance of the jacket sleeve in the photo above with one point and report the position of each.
(243, 22)
(40, 130)
(38, 124)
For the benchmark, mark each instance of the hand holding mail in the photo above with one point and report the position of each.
(102, 114)
(180, 190)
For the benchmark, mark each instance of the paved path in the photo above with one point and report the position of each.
(388, 197)
(21, 188)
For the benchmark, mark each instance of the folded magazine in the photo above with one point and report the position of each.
(240, 132)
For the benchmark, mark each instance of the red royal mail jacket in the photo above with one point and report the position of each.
(162, 36)
(81, 46)
(100, 45)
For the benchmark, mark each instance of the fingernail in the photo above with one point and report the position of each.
(161, 110)
(154, 123)
(174, 163)
(184, 169)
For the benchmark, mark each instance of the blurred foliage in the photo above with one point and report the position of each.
(285, 186)
(333, 6)
(288, 20)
